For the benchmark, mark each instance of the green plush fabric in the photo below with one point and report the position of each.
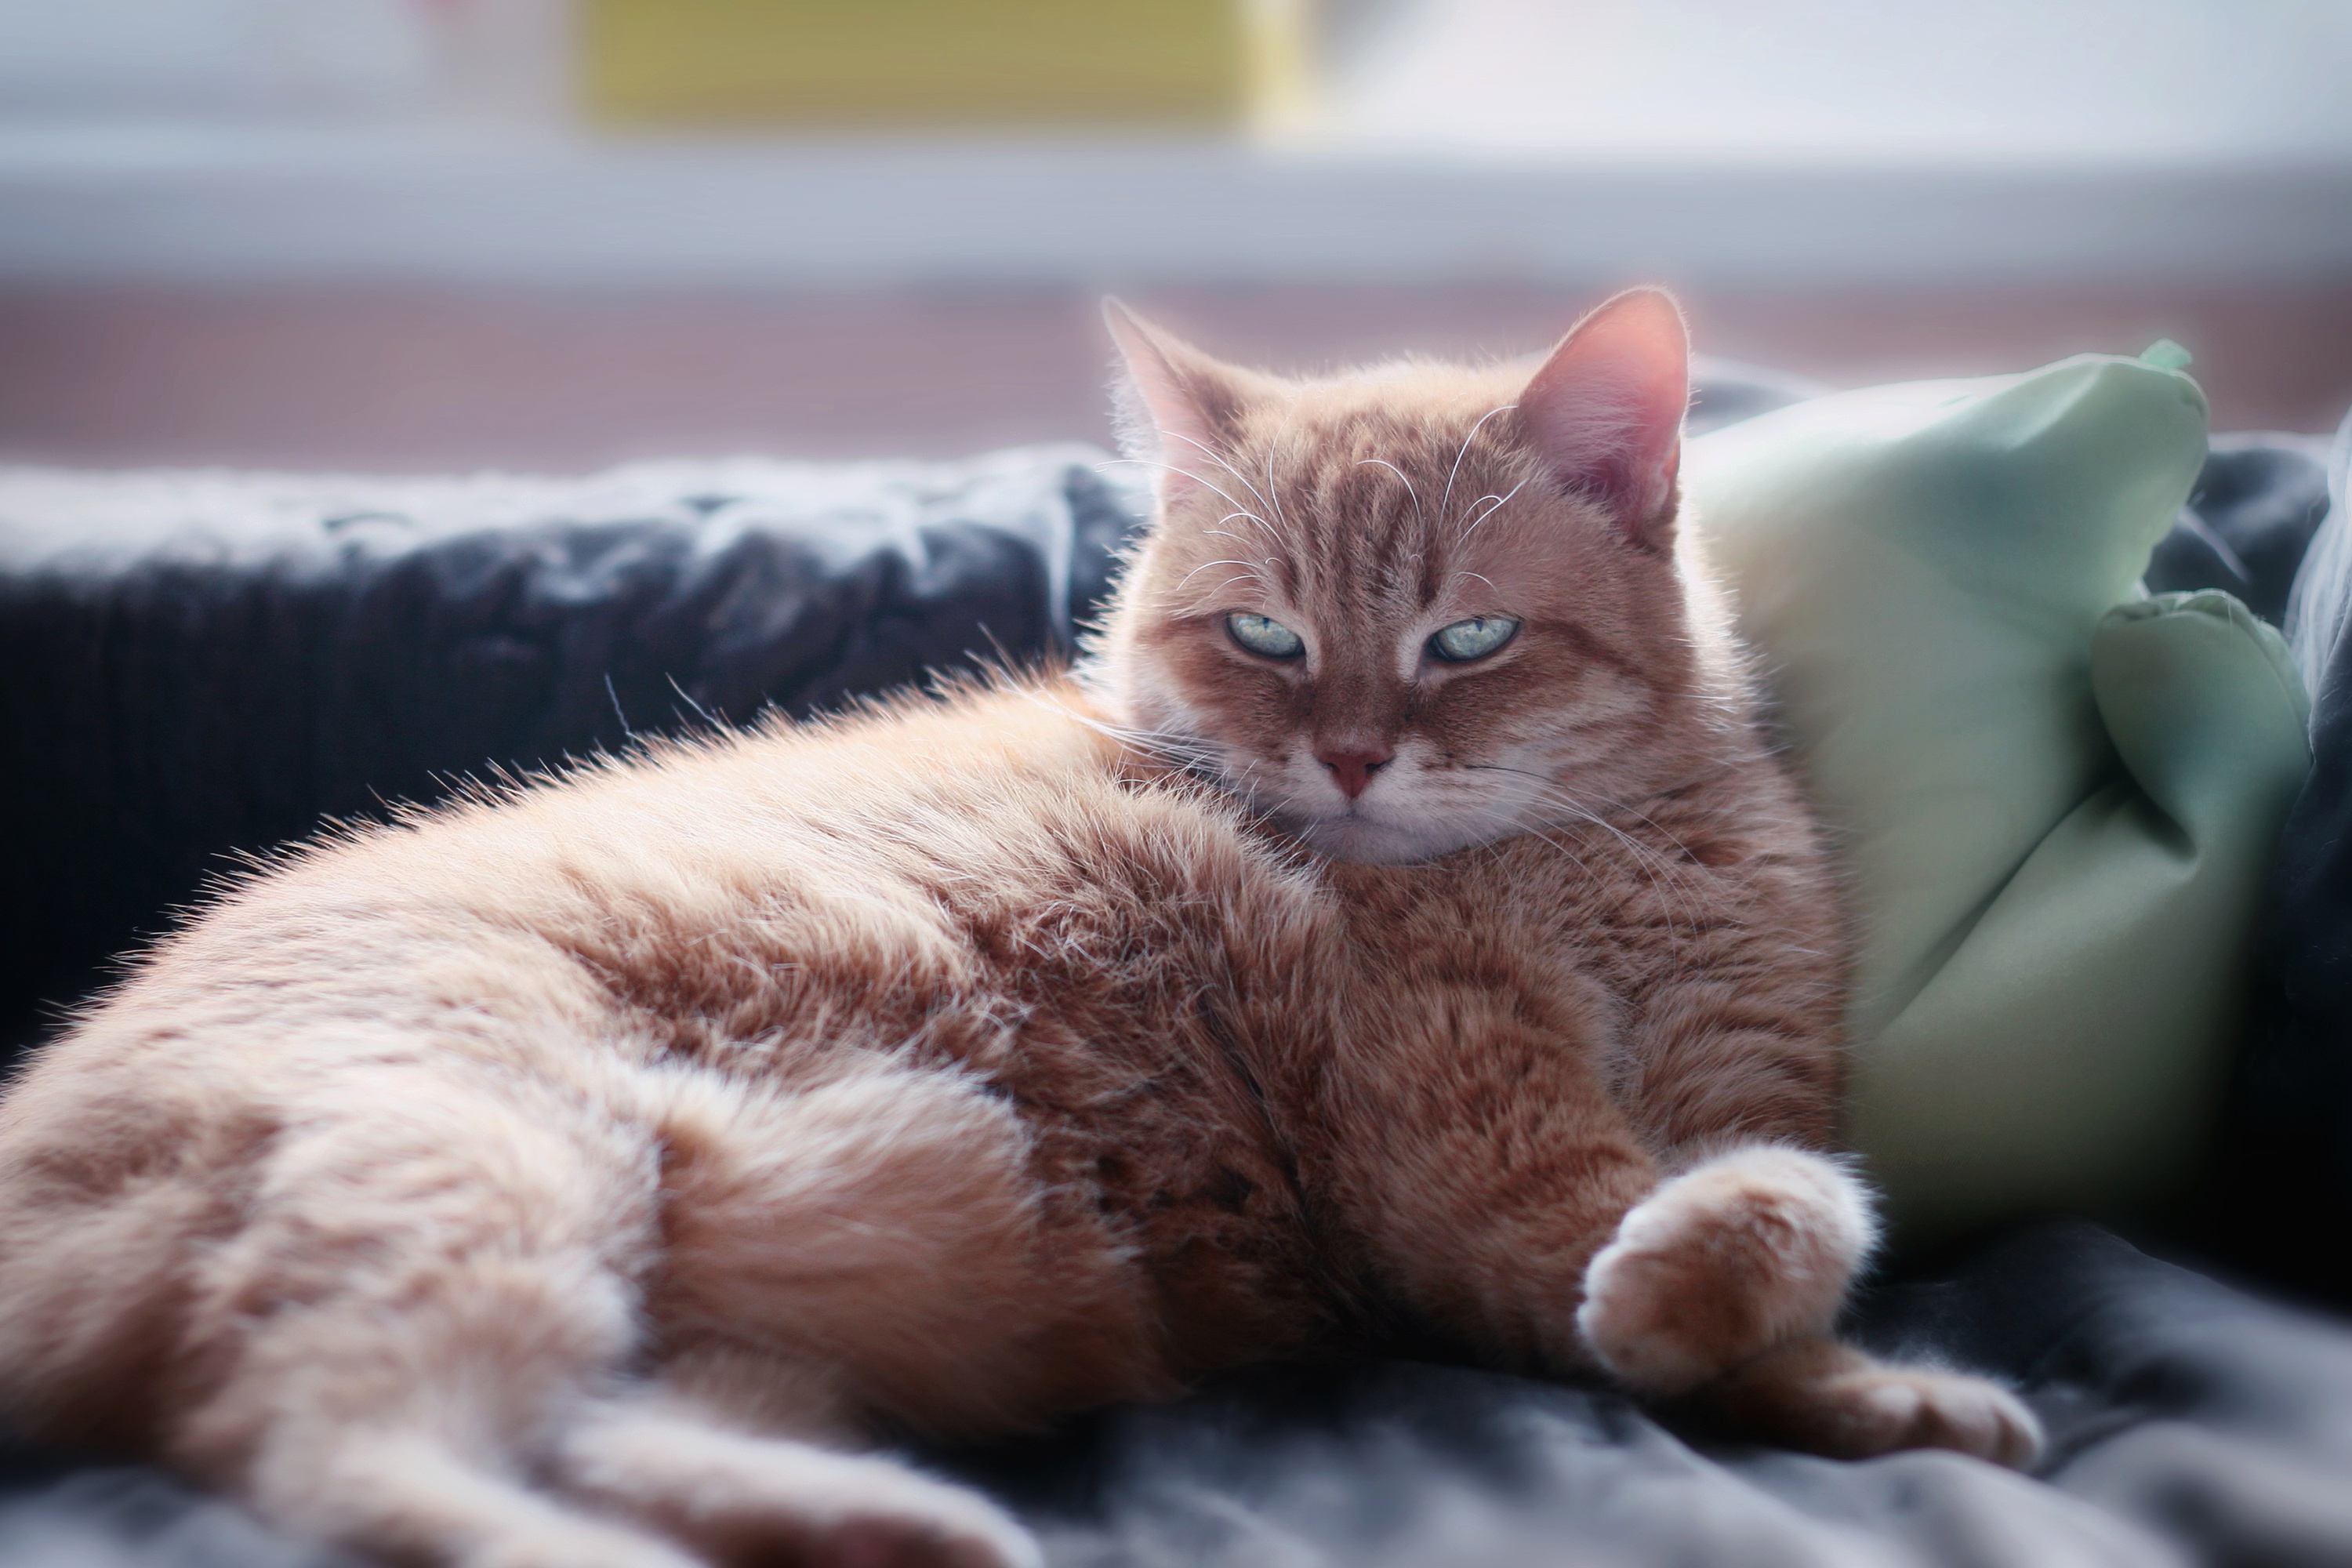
(2054, 797)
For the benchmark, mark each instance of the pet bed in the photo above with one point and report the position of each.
(208, 664)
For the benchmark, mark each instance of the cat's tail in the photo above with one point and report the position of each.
(457, 1368)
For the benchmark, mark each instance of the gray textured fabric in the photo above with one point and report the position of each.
(2191, 1424)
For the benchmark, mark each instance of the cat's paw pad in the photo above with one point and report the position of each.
(1910, 1407)
(1833, 1400)
(1723, 1262)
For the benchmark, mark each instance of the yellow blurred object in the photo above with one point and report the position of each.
(941, 62)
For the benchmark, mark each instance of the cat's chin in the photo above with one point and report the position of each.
(1368, 842)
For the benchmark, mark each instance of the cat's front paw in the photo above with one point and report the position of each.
(1721, 1263)
(1832, 1399)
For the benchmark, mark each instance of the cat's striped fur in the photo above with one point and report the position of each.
(591, 1175)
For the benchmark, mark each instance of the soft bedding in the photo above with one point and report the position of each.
(2283, 1187)
(210, 664)
(2055, 798)
(2190, 1424)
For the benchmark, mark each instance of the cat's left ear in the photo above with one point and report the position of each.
(1178, 410)
(1605, 411)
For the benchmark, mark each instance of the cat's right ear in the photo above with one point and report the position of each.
(1605, 411)
(1178, 410)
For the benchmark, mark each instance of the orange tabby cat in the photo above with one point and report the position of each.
(1398, 918)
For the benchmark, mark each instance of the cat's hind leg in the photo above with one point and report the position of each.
(1830, 1398)
(899, 1228)
(644, 1321)
(735, 1496)
(1727, 1281)
(411, 1497)
(433, 1275)
(875, 1252)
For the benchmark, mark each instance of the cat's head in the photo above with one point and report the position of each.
(1419, 607)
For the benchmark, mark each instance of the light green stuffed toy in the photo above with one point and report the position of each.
(2055, 798)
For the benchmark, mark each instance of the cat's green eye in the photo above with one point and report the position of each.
(1474, 638)
(1261, 635)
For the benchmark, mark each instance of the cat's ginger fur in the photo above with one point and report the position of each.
(581, 1177)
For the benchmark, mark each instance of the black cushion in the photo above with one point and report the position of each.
(205, 666)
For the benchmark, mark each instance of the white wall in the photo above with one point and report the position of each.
(286, 62)
(1870, 81)
(1575, 142)
(1746, 79)
(86, 59)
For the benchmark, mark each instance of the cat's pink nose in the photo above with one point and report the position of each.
(1352, 766)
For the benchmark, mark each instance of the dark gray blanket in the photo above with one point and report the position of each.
(203, 665)
(2190, 1424)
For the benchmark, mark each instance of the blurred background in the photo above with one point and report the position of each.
(412, 235)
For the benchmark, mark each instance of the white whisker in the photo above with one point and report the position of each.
(1659, 869)
(1500, 502)
(1204, 565)
(1275, 505)
(1264, 527)
(1192, 754)
(1447, 499)
(1218, 459)
(1392, 467)
(1171, 468)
